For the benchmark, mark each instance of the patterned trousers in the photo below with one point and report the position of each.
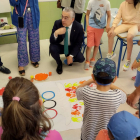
(34, 45)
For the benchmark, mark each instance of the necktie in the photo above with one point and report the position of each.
(66, 51)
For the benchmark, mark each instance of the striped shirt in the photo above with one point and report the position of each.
(99, 108)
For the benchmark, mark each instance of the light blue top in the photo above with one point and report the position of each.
(98, 9)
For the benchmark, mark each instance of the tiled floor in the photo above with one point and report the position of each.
(8, 54)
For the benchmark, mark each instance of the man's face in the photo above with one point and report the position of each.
(67, 19)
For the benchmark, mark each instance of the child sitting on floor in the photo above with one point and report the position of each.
(129, 12)
(122, 126)
(96, 22)
(100, 103)
(22, 115)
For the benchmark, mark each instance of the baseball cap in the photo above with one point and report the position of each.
(102, 135)
(124, 126)
(105, 65)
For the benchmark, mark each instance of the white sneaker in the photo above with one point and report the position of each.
(111, 55)
(86, 67)
(92, 63)
(126, 65)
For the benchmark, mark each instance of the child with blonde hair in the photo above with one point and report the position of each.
(22, 115)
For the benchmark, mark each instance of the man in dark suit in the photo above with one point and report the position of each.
(66, 38)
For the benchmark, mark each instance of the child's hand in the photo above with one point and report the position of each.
(139, 42)
(132, 99)
(134, 65)
(107, 28)
(111, 31)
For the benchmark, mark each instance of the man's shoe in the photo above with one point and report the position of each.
(59, 69)
(5, 70)
(70, 64)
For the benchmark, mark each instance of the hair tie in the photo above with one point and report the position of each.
(16, 99)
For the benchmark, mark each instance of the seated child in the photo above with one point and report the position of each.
(96, 22)
(100, 103)
(129, 13)
(133, 98)
(122, 126)
(22, 115)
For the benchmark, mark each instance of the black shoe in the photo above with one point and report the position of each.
(5, 70)
(70, 64)
(59, 69)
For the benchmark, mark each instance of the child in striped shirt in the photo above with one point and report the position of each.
(100, 103)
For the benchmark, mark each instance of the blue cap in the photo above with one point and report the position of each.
(105, 65)
(124, 126)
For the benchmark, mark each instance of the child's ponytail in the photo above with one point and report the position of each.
(22, 116)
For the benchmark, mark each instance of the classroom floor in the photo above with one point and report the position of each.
(8, 54)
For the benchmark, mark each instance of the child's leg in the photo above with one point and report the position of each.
(90, 43)
(95, 50)
(111, 42)
(134, 97)
(132, 32)
(120, 29)
(88, 51)
(98, 34)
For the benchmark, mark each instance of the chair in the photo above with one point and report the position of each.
(6, 8)
(123, 42)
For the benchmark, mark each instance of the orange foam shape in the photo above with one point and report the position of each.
(68, 94)
(81, 82)
(41, 76)
(73, 87)
(76, 112)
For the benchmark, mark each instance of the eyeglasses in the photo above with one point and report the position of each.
(65, 18)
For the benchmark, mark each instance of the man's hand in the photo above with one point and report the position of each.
(69, 60)
(16, 0)
(108, 28)
(60, 31)
(111, 31)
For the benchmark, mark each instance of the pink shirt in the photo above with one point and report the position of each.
(128, 13)
(53, 135)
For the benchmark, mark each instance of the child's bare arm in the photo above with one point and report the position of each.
(87, 17)
(86, 83)
(115, 87)
(135, 65)
(108, 21)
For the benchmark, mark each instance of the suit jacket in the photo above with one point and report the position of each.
(76, 36)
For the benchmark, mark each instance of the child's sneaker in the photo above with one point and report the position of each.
(86, 67)
(133, 78)
(92, 62)
(111, 55)
(126, 65)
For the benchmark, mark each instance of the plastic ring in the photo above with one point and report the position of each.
(49, 98)
(53, 110)
(50, 107)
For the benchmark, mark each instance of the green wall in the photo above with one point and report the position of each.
(48, 14)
